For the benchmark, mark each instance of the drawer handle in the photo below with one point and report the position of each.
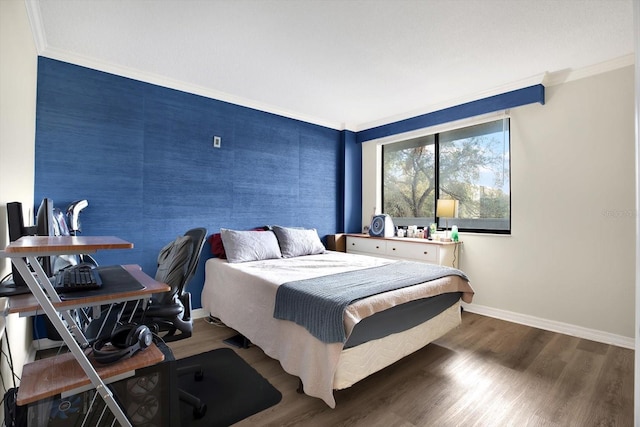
(394, 249)
(353, 244)
(426, 253)
(377, 247)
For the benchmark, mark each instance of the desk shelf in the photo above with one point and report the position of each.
(66, 373)
(46, 245)
(27, 304)
(62, 373)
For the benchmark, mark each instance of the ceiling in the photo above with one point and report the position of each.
(346, 64)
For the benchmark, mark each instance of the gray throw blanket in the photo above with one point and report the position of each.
(318, 304)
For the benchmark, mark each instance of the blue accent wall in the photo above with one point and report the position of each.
(142, 156)
(352, 221)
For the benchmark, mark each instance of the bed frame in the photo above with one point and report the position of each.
(245, 304)
(383, 352)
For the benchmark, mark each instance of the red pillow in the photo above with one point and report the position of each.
(217, 248)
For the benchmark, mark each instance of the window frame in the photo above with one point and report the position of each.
(436, 131)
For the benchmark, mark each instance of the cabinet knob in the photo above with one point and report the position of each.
(394, 249)
(377, 247)
(425, 252)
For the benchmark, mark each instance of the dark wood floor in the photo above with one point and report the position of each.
(487, 372)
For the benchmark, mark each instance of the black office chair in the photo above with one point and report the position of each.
(169, 313)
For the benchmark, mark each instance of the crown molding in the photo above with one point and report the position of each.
(568, 75)
(546, 79)
(37, 27)
(170, 83)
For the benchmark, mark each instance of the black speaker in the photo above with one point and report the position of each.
(125, 341)
(15, 220)
(382, 226)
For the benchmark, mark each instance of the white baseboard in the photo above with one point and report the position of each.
(524, 319)
(510, 316)
(199, 313)
(42, 344)
(553, 326)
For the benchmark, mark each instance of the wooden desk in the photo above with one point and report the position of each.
(72, 371)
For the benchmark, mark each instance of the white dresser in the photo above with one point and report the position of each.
(433, 252)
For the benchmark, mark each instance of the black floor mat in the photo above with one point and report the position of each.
(231, 389)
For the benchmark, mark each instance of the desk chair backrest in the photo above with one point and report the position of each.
(169, 312)
(177, 263)
(198, 236)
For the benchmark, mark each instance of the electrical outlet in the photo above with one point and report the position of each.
(217, 141)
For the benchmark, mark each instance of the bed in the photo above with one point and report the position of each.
(378, 330)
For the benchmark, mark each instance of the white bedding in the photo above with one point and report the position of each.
(242, 295)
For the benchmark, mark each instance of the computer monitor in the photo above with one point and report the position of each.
(44, 218)
(45, 227)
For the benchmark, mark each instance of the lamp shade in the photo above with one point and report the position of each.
(446, 208)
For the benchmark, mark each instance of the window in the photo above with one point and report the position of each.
(469, 164)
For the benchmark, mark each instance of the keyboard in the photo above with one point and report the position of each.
(76, 278)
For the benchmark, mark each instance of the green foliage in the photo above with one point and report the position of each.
(464, 164)
(409, 183)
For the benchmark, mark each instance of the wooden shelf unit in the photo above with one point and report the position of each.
(75, 371)
(63, 374)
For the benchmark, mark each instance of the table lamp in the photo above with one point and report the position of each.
(446, 208)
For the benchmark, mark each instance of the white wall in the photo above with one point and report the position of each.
(18, 74)
(569, 263)
(18, 71)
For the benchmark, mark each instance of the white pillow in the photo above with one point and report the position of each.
(297, 242)
(242, 246)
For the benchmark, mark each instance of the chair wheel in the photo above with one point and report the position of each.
(199, 375)
(199, 411)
